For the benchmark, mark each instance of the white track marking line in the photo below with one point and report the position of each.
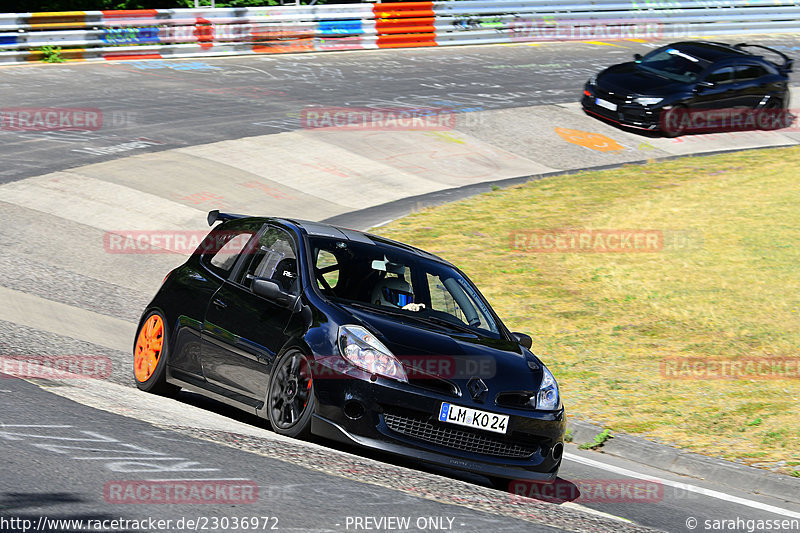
(683, 486)
(2, 425)
(589, 510)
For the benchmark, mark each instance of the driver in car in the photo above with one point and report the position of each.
(395, 292)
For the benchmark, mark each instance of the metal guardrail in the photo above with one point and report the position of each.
(159, 33)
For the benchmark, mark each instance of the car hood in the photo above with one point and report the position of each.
(455, 356)
(629, 79)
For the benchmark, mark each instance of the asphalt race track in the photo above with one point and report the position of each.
(192, 102)
(172, 104)
(179, 137)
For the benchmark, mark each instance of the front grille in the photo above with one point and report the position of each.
(421, 429)
(434, 384)
(636, 113)
(616, 98)
(517, 400)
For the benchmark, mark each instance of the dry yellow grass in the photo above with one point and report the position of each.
(725, 285)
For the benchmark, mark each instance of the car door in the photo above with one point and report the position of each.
(243, 331)
(191, 290)
(717, 90)
(751, 85)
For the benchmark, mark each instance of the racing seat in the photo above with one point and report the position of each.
(285, 275)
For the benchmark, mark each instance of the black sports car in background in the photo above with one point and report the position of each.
(670, 88)
(356, 338)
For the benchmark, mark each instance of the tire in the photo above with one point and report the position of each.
(290, 398)
(678, 110)
(773, 121)
(150, 352)
(773, 103)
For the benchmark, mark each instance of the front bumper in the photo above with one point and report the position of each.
(627, 113)
(399, 418)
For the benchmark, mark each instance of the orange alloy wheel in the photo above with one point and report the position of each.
(148, 348)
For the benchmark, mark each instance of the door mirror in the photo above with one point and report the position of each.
(524, 339)
(266, 288)
(272, 291)
(703, 85)
(637, 57)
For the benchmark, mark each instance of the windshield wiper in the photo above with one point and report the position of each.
(668, 75)
(414, 316)
(379, 309)
(657, 72)
(446, 323)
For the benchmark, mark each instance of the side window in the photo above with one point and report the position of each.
(273, 258)
(442, 300)
(720, 76)
(454, 297)
(222, 249)
(749, 72)
(327, 268)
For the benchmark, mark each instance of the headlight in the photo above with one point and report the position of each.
(547, 399)
(360, 347)
(647, 101)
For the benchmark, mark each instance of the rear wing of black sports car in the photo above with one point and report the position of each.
(215, 215)
(788, 62)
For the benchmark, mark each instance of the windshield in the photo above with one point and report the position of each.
(391, 280)
(673, 64)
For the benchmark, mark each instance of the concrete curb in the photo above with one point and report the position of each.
(690, 464)
(378, 215)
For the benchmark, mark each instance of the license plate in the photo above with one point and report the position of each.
(606, 104)
(473, 418)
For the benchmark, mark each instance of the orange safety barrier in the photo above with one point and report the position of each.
(410, 25)
(404, 9)
(405, 24)
(285, 47)
(71, 54)
(129, 15)
(57, 20)
(131, 56)
(407, 40)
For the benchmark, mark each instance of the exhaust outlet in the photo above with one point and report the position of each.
(558, 451)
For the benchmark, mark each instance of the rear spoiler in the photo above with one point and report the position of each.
(788, 62)
(215, 215)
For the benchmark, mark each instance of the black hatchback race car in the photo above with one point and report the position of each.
(356, 338)
(694, 86)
